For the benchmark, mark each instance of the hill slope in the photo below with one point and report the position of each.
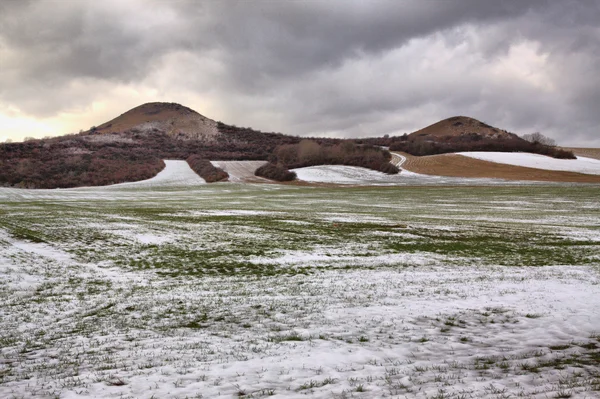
(460, 133)
(454, 165)
(173, 119)
(132, 147)
(461, 126)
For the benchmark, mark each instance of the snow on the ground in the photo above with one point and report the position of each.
(409, 332)
(342, 175)
(580, 165)
(77, 321)
(175, 173)
(353, 175)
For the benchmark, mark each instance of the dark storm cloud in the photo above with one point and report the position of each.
(339, 67)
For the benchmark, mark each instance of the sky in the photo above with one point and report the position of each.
(340, 68)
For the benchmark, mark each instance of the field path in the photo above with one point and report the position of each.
(397, 159)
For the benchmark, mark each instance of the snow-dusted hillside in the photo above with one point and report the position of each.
(580, 165)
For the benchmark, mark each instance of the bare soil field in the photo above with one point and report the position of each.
(453, 165)
(241, 171)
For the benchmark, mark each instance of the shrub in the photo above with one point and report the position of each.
(206, 170)
(473, 142)
(275, 172)
(310, 153)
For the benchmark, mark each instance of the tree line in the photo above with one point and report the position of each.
(311, 153)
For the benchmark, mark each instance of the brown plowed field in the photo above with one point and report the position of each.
(586, 152)
(454, 165)
(241, 171)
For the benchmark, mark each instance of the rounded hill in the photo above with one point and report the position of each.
(174, 119)
(461, 126)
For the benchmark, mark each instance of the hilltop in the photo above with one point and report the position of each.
(461, 133)
(174, 119)
(461, 127)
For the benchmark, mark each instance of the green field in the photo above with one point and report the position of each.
(438, 292)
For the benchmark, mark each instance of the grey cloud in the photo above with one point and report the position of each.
(311, 67)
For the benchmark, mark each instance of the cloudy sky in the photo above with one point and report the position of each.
(339, 68)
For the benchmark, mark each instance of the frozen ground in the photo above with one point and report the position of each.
(580, 165)
(268, 290)
(352, 175)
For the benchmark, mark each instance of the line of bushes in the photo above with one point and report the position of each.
(206, 170)
(310, 153)
(65, 171)
(429, 147)
(275, 172)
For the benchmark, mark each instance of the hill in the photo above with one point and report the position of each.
(461, 127)
(132, 147)
(460, 133)
(455, 165)
(174, 119)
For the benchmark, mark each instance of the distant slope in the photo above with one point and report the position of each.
(585, 152)
(174, 119)
(453, 165)
(132, 147)
(585, 165)
(460, 133)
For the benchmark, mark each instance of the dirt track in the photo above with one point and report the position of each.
(454, 165)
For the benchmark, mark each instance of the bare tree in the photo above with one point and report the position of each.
(538, 138)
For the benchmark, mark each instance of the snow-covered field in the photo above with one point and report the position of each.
(204, 291)
(341, 174)
(580, 165)
(352, 175)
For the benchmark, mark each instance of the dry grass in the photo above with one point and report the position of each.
(453, 165)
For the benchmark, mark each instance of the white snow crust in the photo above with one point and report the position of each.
(581, 164)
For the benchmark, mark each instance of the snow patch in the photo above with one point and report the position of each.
(580, 165)
(340, 174)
